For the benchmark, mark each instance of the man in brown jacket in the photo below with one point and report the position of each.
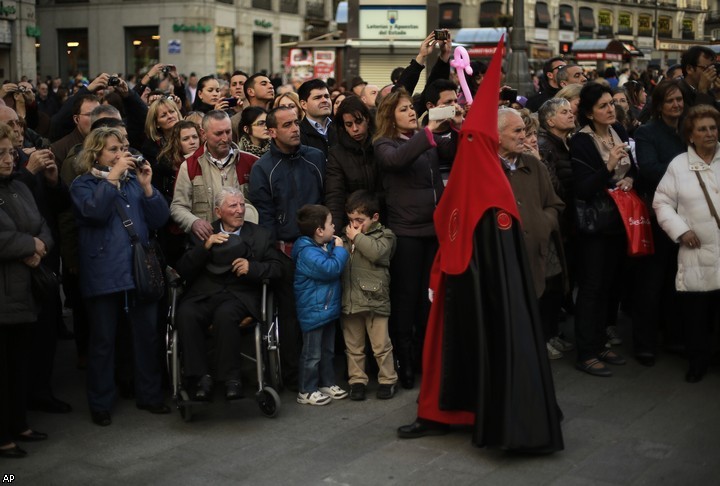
(540, 208)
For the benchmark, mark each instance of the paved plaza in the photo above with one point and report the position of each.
(642, 426)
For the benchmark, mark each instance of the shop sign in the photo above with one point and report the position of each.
(482, 51)
(174, 46)
(393, 22)
(199, 28)
(263, 23)
(597, 56)
(324, 64)
(33, 31)
(7, 10)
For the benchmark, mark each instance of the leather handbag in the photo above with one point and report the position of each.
(148, 273)
(597, 215)
(45, 283)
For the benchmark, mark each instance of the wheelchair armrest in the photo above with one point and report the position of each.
(172, 277)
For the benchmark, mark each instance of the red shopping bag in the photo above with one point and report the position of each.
(636, 219)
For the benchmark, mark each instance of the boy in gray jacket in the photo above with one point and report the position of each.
(366, 295)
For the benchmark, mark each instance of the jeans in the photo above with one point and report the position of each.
(316, 359)
(108, 313)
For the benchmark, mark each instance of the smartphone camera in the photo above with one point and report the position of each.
(509, 95)
(232, 102)
(441, 35)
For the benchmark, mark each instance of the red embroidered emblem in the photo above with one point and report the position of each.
(454, 224)
(504, 220)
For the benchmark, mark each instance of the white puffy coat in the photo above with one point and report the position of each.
(680, 206)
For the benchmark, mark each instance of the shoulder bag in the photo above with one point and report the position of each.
(147, 268)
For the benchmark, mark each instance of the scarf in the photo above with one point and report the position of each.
(257, 150)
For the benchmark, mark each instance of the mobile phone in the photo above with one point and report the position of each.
(441, 113)
(717, 68)
(441, 35)
(232, 102)
(509, 95)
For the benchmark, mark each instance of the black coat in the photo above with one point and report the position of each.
(265, 263)
(20, 222)
(312, 138)
(556, 157)
(351, 166)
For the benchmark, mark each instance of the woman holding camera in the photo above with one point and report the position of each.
(115, 179)
(209, 96)
(600, 161)
(409, 161)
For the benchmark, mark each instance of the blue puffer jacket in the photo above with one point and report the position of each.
(105, 250)
(318, 292)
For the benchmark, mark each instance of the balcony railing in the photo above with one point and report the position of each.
(263, 4)
(289, 6)
(315, 9)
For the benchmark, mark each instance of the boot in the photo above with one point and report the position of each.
(404, 367)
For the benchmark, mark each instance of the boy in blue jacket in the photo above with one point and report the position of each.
(319, 259)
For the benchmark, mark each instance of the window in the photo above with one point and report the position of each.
(224, 50)
(489, 13)
(625, 23)
(567, 18)
(315, 9)
(605, 22)
(450, 16)
(289, 6)
(587, 19)
(263, 4)
(542, 15)
(142, 48)
(645, 23)
(665, 27)
(688, 29)
(73, 52)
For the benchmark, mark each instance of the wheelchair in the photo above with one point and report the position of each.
(266, 352)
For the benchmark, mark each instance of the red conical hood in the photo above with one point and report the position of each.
(477, 181)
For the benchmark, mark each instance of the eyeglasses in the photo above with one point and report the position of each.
(84, 114)
(15, 123)
(558, 68)
(703, 67)
(259, 123)
(11, 152)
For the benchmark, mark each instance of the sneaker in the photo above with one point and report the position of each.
(386, 391)
(334, 392)
(314, 398)
(552, 352)
(561, 345)
(357, 392)
(613, 336)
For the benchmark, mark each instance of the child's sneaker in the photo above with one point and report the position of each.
(334, 392)
(357, 392)
(386, 391)
(314, 398)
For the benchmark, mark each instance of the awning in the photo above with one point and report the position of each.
(608, 49)
(542, 15)
(567, 18)
(587, 19)
(488, 36)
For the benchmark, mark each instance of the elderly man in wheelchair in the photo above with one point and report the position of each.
(224, 276)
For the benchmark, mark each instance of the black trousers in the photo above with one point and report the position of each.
(701, 313)
(655, 299)
(43, 345)
(14, 349)
(81, 328)
(224, 311)
(290, 335)
(410, 272)
(600, 258)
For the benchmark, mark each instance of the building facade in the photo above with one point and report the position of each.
(18, 33)
(206, 37)
(654, 30)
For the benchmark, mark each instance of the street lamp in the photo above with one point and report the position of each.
(518, 75)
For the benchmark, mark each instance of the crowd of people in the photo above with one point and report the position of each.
(329, 191)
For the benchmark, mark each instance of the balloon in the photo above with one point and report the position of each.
(461, 63)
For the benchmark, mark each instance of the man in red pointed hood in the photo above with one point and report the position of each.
(484, 360)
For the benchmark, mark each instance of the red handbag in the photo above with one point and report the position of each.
(636, 219)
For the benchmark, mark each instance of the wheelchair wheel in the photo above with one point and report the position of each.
(185, 409)
(274, 369)
(268, 401)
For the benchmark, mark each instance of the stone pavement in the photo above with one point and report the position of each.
(642, 426)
